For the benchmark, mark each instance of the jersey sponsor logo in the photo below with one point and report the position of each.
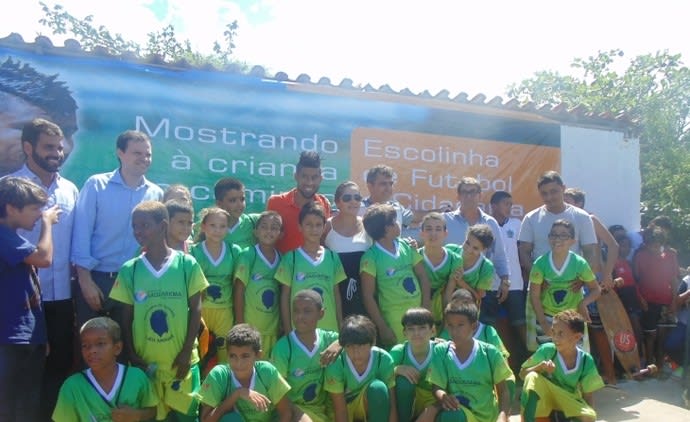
(298, 373)
(140, 296)
(559, 296)
(268, 299)
(300, 276)
(158, 321)
(390, 272)
(409, 285)
(257, 277)
(213, 291)
(310, 392)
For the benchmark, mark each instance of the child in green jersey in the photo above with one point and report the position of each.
(161, 291)
(107, 390)
(468, 376)
(229, 194)
(478, 271)
(311, 266)
(302, 355)
(441, 263)
(392, 274)
(555, 282)
(181, 216)
(412, 359)
(485, 333)
(217, 260)
(256, 292)
(246, 389)
(361, 381)
(559, 375)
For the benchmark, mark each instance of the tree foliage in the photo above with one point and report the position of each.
(654, 91)
(163, 43)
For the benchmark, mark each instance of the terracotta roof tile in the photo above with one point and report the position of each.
(578, 114)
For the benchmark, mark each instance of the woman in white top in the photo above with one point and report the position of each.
(345, 235)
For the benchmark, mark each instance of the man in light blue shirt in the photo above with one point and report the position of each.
(102, 237)
(380, 181)
(468, 214)
(43, 147)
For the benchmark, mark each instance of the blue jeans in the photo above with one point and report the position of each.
(21, 373)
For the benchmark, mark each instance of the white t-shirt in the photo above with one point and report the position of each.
(537, 224)
(509, 233)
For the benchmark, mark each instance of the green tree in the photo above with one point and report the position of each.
(654, 92)
(163, 43)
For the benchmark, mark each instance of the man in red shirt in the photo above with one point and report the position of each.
(288, 204)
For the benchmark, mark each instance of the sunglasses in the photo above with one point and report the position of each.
(349, 197)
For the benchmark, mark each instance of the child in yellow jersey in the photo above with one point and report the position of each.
(161, 291)
(217, 260)
(256, 292)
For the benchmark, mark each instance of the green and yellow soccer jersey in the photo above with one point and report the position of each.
(160, 299)
(342, 377)
(559, 295)
(82, 399)
(488, 334)
(242, 233)
(299, 271)
(480, 275)
(220, 383)
(218, 272)
(581, 379)
(397, 287)
(301, 367)
(439, 276)
(471, 382)
(261, 294)
(402, 355)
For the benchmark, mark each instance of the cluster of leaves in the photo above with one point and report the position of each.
(654, 91)
(162, 43)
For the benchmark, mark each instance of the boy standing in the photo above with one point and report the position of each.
(246, 389)
(301, 356)
(107, 390)
(230, 196)
(23, 335)
(361, 381)
(552, 282)
(559, 375)
(392, 273)
(181, 216)
(468, 376)
(412, 359)
(161, 292)
(441, 263)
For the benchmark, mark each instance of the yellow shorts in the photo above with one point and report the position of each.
(422, 399)
(553, 397)
(357, 409)
(218, 320)
(317, 413)
(177, 395)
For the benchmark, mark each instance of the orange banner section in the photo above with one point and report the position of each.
(429, 167)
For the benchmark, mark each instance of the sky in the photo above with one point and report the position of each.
(460, 46)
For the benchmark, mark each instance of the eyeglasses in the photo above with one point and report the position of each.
(554, 236)
(349, 197)
(469, 192)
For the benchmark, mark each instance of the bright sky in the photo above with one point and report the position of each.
(462, 46)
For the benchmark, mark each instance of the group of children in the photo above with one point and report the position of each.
(234, 284)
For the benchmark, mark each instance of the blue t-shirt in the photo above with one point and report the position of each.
(21, 313)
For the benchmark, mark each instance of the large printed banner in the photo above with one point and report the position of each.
(205, 125)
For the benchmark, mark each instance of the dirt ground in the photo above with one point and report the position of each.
(648, 400)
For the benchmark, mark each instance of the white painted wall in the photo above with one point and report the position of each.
(606, 165)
